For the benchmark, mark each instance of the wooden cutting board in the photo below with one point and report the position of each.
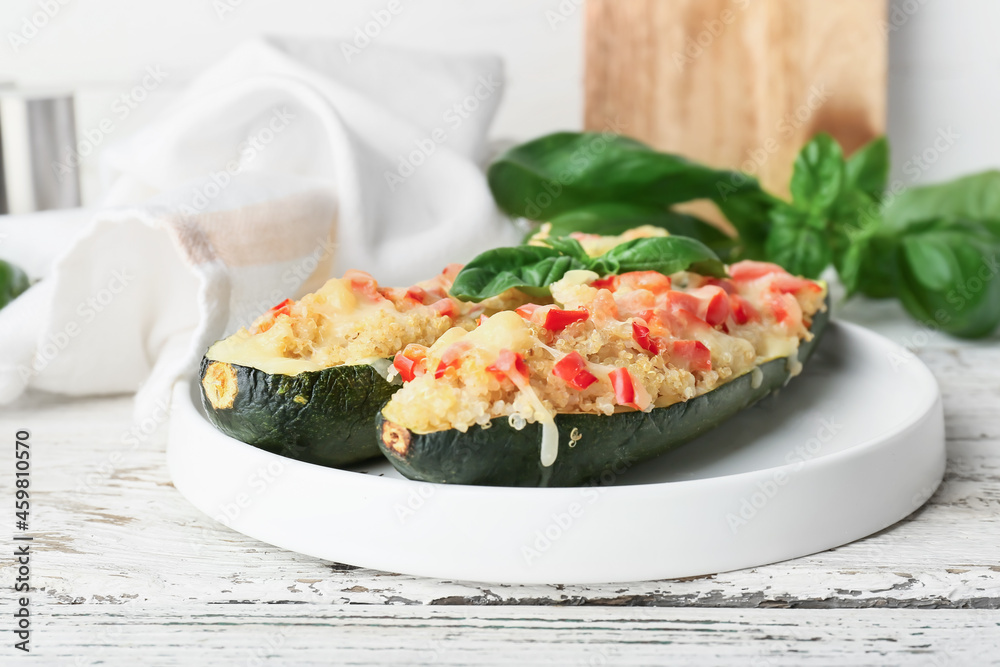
(737, 83)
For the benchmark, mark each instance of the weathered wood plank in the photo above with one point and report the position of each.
(321, 634)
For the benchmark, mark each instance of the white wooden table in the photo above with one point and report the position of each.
(125, 572)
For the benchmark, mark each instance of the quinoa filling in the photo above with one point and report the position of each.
(635, 341)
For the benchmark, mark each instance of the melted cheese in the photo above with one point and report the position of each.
(329, 327)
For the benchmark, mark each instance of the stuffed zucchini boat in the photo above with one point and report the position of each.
(308, 377)
(619, 370)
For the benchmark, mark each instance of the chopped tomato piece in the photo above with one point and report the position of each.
(621, 381)
(693, 353)
(573, 369)
(527, 310)
(509, 364)
(640, 333)
(647, 280)
(481, 320)
(751, 270)
(608, 283)
(557, 320)
(444, 307)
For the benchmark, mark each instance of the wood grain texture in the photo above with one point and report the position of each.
(737, 83)
(314, 634)
(122, 560)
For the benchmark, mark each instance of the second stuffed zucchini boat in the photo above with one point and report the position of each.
(621, 369)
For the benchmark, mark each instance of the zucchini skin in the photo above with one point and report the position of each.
(325, 417)
(502, 456)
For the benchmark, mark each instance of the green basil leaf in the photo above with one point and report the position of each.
(529, 268)
(975, 197)
(867, 169)
(568, 246)
(849, 265)
(750, 213)
(938, 266)
(818, 174)
(797, 244)
(561, 172)
(617, 218)
(946, 275)
(665, 254)
(13, 281)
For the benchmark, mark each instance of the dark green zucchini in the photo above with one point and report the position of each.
(502, 456)
(325, 417)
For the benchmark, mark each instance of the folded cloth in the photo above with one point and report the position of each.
(284, 164)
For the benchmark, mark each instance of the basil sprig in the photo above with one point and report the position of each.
(532, 269)
(934, 248)
(605, 183)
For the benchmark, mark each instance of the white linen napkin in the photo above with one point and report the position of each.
(283, 165)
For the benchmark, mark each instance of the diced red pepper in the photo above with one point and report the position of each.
(640, 333)
(527, 310)
(364, 284)
(405, 366)
(410, 362)
(557, 320)
(509, 364)
(573, 370)
(444, 307)
(608, 283)
(451, 358)
(416, 293)
(714, 304)
(694, 353)
(786, 309)
(647, 280)
(621, 382)
(751, 270)
(742, 311)
(283, 308)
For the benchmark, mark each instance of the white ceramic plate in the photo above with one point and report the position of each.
(851, 446)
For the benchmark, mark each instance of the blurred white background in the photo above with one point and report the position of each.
(944, 59)
(102, 48)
